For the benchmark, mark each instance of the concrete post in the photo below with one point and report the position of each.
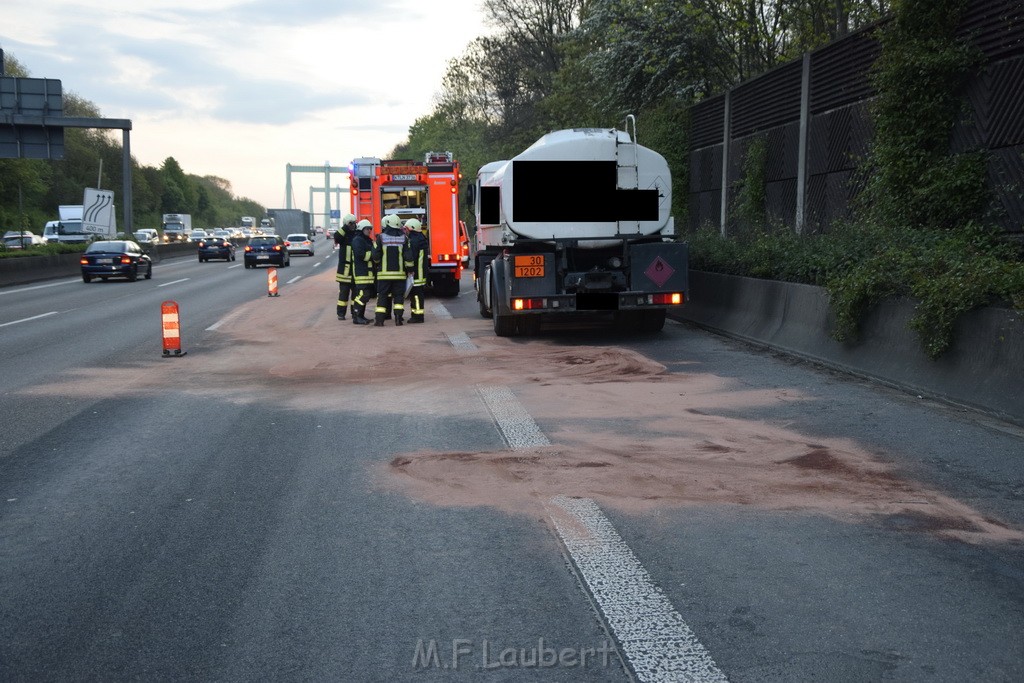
(287, 186)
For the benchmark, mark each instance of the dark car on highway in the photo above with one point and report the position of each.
(266, 250)
(215, 247)
(115, 258)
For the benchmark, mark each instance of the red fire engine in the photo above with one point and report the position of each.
(428, 192)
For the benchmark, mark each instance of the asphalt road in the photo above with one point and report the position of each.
(232, 515)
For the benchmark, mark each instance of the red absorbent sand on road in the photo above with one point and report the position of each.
(624, 431)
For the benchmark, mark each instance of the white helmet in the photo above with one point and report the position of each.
(390, 221)
(348, 218)
(413, 224)
(363, 224)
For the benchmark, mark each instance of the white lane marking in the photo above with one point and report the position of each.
(514, 422)
(25, 320)
(225, 319)
(441, 312)
(652, 635)
(174, 282)
(461, 342)
(294, 279)
(658, 643)
(237, 265)
(28, 289)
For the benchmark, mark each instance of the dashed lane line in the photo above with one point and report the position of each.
(174, 282)
(461, 342)
(294, 279)
(514, 422)
(25, 320)
(658, 643)
(18, 290)
(653, 637)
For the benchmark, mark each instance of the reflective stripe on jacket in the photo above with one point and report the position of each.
(390, 253)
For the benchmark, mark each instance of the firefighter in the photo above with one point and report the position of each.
(346, 283)
(391, 254)
(419, 254)
(339, 234)
(362, 271)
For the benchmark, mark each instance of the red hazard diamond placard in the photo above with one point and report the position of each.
(659, 271)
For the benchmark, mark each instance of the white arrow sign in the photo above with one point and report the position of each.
(98, 212)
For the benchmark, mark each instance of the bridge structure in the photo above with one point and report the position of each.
(336, 191)
(326, 169)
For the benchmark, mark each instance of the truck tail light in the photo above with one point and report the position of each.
(84, 261)
(527, 304)
(668, 299)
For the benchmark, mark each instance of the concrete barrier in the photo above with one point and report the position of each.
(984, 369)
(27, 269)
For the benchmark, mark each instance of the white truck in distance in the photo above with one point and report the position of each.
(176, 227)
(578, 225)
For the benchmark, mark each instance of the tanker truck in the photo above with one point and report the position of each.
(577, 225)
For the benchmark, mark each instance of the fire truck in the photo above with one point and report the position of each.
(427, 191)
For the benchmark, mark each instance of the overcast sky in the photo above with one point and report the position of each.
(238, 89)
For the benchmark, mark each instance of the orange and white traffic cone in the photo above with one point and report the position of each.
(171, 329)
(272, 282)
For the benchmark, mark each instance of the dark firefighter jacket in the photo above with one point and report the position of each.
(362, 259)
(345, 257)
(419, 255)
(391, 254)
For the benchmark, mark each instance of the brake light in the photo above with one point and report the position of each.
(277, 247)
(287, 244)
(671, 298)
(84, 261)
(527, 304)
(202, 244)
(126, 259)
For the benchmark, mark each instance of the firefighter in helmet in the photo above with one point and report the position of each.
(339, 234)
(362, 271)
(346, 283)
(419, 254)
(391, 254)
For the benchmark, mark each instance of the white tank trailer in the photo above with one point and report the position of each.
(578, 224)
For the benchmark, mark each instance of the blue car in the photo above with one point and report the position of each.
(216, 247)
(115, 258)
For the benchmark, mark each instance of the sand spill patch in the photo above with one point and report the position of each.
(641, 475)
(627, 432)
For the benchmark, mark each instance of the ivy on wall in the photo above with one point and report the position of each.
(912, 178)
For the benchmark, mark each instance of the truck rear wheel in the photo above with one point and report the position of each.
(654, 321)
(484, 311)
(505, 325)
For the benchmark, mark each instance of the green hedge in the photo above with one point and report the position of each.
(42, 250)
(948, 272)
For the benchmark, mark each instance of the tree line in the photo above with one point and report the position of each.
(553, 64)
(31, 190)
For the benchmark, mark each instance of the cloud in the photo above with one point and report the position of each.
(239, 88)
